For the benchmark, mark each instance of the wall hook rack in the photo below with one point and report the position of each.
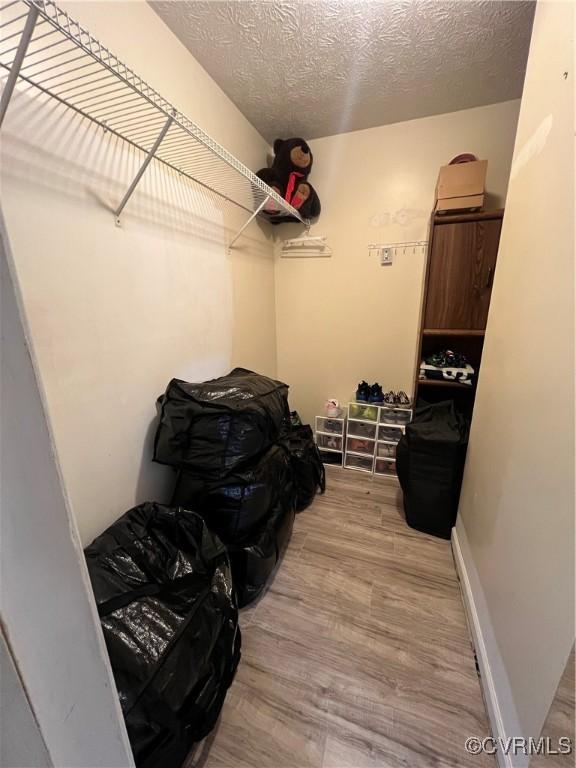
(395, 248)
(44, 48)
(306, 247)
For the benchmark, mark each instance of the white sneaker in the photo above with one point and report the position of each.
(332, 409)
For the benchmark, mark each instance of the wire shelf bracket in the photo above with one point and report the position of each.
(143, 167)
(43, 48)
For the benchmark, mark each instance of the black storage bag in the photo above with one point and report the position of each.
(163, 587)
(219, 425)
(253, 562)
(430, 463)
(307, 467)
(236, 505)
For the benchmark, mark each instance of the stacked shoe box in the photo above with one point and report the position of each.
(392, 422)
(372, 436)
(330, 436)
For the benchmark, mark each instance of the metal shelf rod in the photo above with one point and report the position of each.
(17, 63)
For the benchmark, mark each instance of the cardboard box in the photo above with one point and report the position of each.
(460, 187)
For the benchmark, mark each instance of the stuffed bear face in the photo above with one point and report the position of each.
(300, 157)
(292, 155)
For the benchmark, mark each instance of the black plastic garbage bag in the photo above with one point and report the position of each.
(307, 467)
(430, 463)
(253, 562)
(236, 505)
(163, 587)
(221, 424)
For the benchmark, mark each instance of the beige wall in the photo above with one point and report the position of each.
(345, 318)
(517, 503)
(116, 312)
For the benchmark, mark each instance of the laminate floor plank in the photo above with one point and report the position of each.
(358, 654)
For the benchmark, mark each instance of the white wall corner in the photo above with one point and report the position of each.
(504, 721)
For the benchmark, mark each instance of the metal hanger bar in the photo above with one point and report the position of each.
(7, 5)
(17, 63)
(74, 87)
(67, 82)
(116, 114)
(125, 124)
(112, 109)
(143, 167)
(97, 100)
(63, 74)
(53, 56)
(103, 92)
(17, 34)
(137, 114)
(15, 19)
(44, 47)
(139, 127)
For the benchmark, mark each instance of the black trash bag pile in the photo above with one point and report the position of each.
(307, 468)
(241, 466)
(430, 464)
(237, 504)
(163, 587)
(214, 427)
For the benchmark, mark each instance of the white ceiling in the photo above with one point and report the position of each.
(315, 68)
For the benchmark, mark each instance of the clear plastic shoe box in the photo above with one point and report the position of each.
(365, 441)
(330, 434)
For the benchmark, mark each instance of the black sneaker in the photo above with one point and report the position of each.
(363, 392)
(376, 395)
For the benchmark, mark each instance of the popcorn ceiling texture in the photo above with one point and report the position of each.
(317, 68)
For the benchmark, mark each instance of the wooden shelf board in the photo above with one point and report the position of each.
(444, 383)
(463, 216)
(453, 332)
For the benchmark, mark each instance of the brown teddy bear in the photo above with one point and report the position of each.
(288, 176)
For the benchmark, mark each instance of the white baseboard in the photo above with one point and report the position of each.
(494, 681)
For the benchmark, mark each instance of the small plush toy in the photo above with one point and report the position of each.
(288, 176)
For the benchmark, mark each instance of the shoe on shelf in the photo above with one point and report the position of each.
(363, 392)
(376, 395)
(332, 408)
(390, 398)
(402, 399)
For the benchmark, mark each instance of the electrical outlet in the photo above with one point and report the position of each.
(385, 256)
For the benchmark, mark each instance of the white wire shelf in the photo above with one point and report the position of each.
(44, 48)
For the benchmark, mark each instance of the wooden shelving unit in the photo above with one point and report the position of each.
(439, 383)
(459, 273)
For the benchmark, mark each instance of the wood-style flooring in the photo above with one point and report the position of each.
(358, 655)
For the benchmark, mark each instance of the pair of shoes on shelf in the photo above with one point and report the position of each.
(369, 394)
(397, 398)
(447, 359)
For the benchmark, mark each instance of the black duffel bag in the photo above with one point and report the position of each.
(308, 470)
(164, 593)
(430, 463)
(237, 504)
(219, 425)
(254, 561)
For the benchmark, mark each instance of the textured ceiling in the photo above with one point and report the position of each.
(315, 68)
